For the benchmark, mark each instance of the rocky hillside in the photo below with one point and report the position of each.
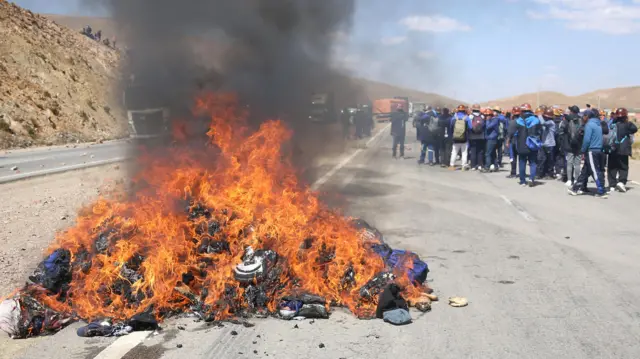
(56, 85)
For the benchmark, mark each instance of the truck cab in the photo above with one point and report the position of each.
(147, 118)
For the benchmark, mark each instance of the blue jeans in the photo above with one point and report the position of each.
(532, 157)
(489, 153)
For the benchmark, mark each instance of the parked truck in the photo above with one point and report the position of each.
(383, 108)
(147, 117)
(322, 108)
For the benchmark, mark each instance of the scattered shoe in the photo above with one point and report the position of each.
(492, 168)
(568, 184)
(572, 192)
(621, 187)
(602, 195)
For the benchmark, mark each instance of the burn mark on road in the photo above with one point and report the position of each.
(513, 257)
(506, 282)
(459, 251)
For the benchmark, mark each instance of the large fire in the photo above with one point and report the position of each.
(177, 240)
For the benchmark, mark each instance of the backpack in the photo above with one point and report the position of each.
(477, 124)
(432, 125)
(610, 141)
(460, 129)
(532, 141)
(575, 136)
(500, 130)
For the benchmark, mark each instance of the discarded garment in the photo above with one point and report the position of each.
(375, 285)
(34, 319)
(397, 317)
(9, 316)
(306, 298)
(54, 271)
(313, 311)
(410, 262)
(290, 308)
(103, 329)
(390, 299)
(142, 321)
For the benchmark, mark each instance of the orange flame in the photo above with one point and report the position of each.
(253, 193)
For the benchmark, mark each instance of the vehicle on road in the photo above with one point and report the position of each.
(322, 108)
(147, 118)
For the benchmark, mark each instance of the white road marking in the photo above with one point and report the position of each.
(51, 171)
(322, 180)
(122, 345)
(518, 208)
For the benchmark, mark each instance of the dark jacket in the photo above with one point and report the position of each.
(399, 123)
(512, 127)
(592, 136)
(472, 135)
(527, 125)
(445, 127)
(425, 135)
(624, 131)
(491, 129)
(564, 133)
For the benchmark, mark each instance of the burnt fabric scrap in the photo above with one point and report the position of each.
(303, 305)
(103, 329)
(375, 285)
(397, 317)
(54, 272)
(24, 317)
(390, 299)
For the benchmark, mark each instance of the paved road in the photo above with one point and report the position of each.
(547, 276)
(20, 164)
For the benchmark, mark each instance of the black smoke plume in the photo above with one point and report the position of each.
(273, 53)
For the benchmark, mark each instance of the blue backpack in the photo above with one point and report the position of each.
(533, 142)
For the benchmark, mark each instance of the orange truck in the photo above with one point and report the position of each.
(383, 108)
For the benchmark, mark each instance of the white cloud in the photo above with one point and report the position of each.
(436, 23)
(608, 16)
(393, 40)
(426, 55)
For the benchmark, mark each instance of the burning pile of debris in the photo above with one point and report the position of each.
(235, 238)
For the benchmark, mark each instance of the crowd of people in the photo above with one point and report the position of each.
(568, 145)
(97, 36)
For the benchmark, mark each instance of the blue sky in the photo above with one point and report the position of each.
(481, 50)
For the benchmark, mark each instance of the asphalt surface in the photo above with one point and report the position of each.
(546, 275)
(19, 164)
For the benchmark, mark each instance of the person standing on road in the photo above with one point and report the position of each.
(502, 132)
(527, 139)
(430, 137)
(559, 161)
(477, 138)
(620, 148)
(446, 136)
(398, 130)
(512, 127)
(592, 148)
(345, 119)
(571, 134)
(492, 128)
(546, 164)
(459, 132)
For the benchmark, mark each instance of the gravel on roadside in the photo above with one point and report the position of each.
(34, 210)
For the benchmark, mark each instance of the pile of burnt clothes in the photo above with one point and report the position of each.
(391, 307)
(22, 316)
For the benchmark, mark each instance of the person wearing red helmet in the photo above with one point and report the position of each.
(528, 143)
(546, 155)
(570, 134)
(477, 139)
(399, 120)
(592, 145)
(511, 131)
(459, 129)
(619, 149)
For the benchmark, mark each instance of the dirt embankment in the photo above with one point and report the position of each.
(56, 84)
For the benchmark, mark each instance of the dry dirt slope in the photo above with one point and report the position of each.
(628, 97)
(56, 85)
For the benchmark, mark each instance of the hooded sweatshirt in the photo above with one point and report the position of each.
(592, 136)
(548, 133)
(527, 125)
(492, 125)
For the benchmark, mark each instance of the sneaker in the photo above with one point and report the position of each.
(621, 187)
(523, 184)
(511, 176)
(572, 192)
(492, 168)
(474, 169)
(532, 184)
(602, 195)
(484, 170)
(581, 191)
(568, 183)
